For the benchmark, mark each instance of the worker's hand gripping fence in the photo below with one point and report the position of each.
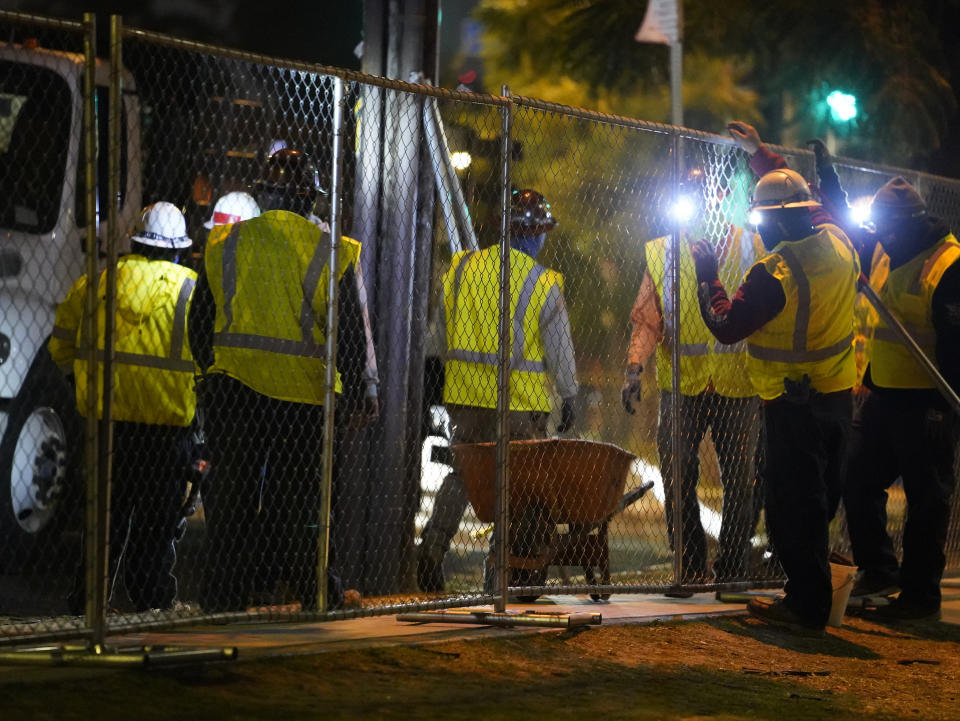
(601, 500)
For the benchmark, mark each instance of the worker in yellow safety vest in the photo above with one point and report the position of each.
(904, 427)
(541, 352)
(795, 310)
(257, 330)
(153, 400)
(714, 391)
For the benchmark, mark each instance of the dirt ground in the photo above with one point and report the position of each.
(725, 668)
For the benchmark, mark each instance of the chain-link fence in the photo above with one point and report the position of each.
(280, 440)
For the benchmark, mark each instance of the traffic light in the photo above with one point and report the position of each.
(843, 106)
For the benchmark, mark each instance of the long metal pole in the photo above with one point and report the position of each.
(105, 438)
(95, 600)
(333, 294)
(915, 350)
(502, 560)
(676, 83)
(676, 463)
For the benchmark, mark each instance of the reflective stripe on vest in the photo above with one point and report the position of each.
(517, 360)
(908, 292)
(173, 361)
(799, 352)
(813, 334)
(305, 348)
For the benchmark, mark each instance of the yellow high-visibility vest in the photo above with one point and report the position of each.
(702, 357)
(863, 332)
(269, 277)
(153, 370)
(471, 292)
(908, 293)
(813, 334)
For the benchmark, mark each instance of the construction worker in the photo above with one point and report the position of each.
(234, 207)
(795, 309)
(714, 391)
(542, 349)
(904, 427)
(153, 401)
(257, 329)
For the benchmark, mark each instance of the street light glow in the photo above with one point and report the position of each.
(843, 106)
(460, 160)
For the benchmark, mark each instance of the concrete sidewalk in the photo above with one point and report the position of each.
(260, 640)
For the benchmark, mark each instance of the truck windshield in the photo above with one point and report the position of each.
(35, 112)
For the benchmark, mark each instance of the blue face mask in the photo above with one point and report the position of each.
(531, 245)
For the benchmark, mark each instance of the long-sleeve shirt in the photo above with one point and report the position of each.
(646, 320)
(758, 300)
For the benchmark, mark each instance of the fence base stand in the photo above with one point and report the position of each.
(96, 655)
(494, 618)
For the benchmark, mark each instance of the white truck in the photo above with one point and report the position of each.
(42, 253)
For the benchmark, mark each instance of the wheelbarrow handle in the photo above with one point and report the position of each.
(633, 496)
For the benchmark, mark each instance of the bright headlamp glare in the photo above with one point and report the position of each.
(683, 209)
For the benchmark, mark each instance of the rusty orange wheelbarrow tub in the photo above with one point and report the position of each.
(575, 482)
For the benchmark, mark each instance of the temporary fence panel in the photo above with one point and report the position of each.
(273, 502)
(53, 189)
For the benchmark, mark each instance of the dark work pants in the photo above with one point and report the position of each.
(914, 441)
(805, 462)
(149, 484)
(734, 426)
(262, 499)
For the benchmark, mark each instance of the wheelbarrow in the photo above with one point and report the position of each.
(572, 482)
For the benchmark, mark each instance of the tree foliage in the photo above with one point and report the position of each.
(770, 62)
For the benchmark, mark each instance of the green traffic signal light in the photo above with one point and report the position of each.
(843, 106)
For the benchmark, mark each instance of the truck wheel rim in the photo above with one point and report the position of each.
(38, 475)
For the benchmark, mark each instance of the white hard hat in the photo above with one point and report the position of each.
(233, 207)
(162, 225)
(783, 188)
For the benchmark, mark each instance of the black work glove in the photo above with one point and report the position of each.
(819, 149)
(704, 260)
(631, 387)
(821, 154)
(566, 415)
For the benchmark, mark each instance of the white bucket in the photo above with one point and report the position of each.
(841, 578)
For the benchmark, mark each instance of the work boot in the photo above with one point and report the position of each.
(899, 610)
(776, 613)
(429, 571)
(868, 589)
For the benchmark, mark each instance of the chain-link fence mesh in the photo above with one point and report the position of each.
(634, 431)
(42, 133)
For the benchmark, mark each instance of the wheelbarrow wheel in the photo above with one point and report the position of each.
(524, 577)
(531, 536)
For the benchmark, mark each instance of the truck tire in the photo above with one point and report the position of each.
(40, 479)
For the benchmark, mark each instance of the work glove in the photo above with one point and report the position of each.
(704, 260)
(820, 153)
(746, 136)
(631, 387)
(566, 415)
(819, 149)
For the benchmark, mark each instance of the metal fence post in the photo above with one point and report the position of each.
(336, 223)
(94, 555)
(676, 464)
(503, 364)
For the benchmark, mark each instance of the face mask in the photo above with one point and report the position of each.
(531, 245)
